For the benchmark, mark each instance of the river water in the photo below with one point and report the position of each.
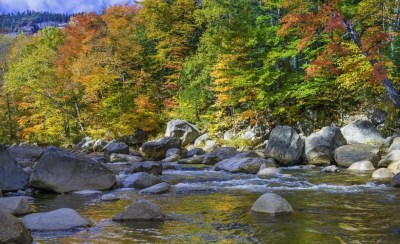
(210, 206)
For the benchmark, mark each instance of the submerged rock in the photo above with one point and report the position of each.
(141, 180)
(362, 166)
(141, 210)
(12, 230)
(362, 131)
(272, 204)
(285, 146)
(346, 155)
(156, 189)
(330, 169)
(61, 219)
(183, 130)
(269, 171)
(15, 205)
(12, 176)
(156, 150)
(61, 171)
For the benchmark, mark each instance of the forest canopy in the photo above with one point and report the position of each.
(213, 62)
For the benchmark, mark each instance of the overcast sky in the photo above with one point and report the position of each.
(57, 6)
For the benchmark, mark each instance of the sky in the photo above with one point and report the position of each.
(57, 6)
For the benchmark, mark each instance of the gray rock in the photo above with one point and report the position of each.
(241, 165)
(25, 156)
(273, 204)
(109, 198)
(60, 219)
(247, 154)
(201, 140)
(141, 180)
(229, 135)
(395, 167)
(116, 147)
(62, 171)
(99, 145)
(149, 167)
(116, 157)
(173, 151)
(392, 157)
(346, 155)
(12, 230)
(136, 139)
(86, 192)
(396, 180)
(156, 189)
(382, 174)
(86, 144)
(362, 131)
(12, 176)
(195, 152)
(141, 210)
(285, 145)
(395, 145)
(269, 171)
(156, 150)
(219, 155)
(330, 169)
(320, 145)
(193, 160)
(362, 166)
(255, 135)
(183, 130)
(210, 146)
(377, 116)
(15, 205)
(171, 158)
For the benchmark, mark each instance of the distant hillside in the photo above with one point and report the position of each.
(30, 22)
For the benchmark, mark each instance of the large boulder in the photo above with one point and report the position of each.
(150, 167)
(62, 171)
(12, 176)
(392, 157)
(273, 204)
(346, 155)
(60, 219)
(362, 131)
(183, 130)
(396, 180)
(382, 174)
(285, 145)
(362, 166)
(395, 145)
(15, 205)
(141, 180)
(320, 145)
(156, 150)
(219, 155)
(25, 156)
(241, 165)
(12, 230)
(141, 210)
(116, 147)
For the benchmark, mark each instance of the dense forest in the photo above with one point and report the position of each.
(14, 22)
(216, 63)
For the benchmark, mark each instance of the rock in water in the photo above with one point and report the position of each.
(62, 171)
(346, 155)
(219, 155)
(12, 176)
(362, 131)
(319, 146)
(156, 189)
(269, 171)
(396, 180)
(60, 219)
(285, 145)
(382, 174)
(330, 169)
(12, 230)
(241, 165)
(140, 209)
(272, 204)
(156, 150)
(141, 180)
(149, 167)
(392, 157)
(15, 205)
(183, 130)
(362, 166)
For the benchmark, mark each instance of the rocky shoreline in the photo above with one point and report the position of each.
(95, 166)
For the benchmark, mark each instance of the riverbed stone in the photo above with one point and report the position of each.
(12, 176)
(201, 140)
(116, 147)
(156, 150)
(285, 145)
(320, 145)
(330, 169)
(395, 145)
(150, 167)
(362, 131)
(269, 171)
(211, 145)
(346, 155)
(362, 166)
(137, 138)
(382, 174)
(156, 189)
(241, 165)
(15, 205)
(117, 157)
(62, 171)
(194, 152)
(393, 156)
(171, 158)
(109, 197)
(183, 130)
(141, 180)
(394, 167)
(86, 192)
(273, 204)
(396, 180)
(192, 160)
(218, 155)
(141, 210)
(60, 219)
(12, 230)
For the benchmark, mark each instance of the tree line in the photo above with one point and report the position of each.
(216, 63)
